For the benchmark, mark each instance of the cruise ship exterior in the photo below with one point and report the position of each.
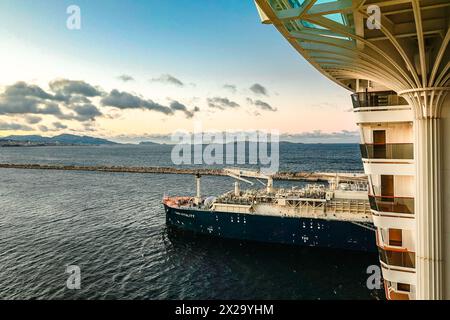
(394, 56)
(337, 216)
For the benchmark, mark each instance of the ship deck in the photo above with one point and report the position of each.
(353, 208)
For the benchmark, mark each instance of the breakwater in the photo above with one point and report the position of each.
(298, 176)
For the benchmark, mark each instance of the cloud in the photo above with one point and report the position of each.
(66, 88)
(86, 112)
(125, 100)
(63, 90)
(261, 105)
(6, 126)
(59, 126)
(88, 126)
(230, 87)
(168, 79)
(221, 103)
(259, 89)
(77, 99)
(30, 100)
(125, 78)
(32, 119)
(27, 105)
(71, 100)
(43, 128)
(52, 109)
(176, 106)
(22, 89)
(22, 98)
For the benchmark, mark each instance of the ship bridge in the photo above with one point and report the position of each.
(394, 56)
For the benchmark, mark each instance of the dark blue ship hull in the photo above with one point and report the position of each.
(282, 230)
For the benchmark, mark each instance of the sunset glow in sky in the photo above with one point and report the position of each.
(149, 67)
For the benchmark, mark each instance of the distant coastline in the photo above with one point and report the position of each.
(60, 140)
(75, 140)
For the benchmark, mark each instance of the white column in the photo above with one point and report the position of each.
(445, 176)
(429, 147)
(428, 209)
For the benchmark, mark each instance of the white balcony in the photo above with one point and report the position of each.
(389, 221)
(397, 168)
(385, 114)
(398, 274)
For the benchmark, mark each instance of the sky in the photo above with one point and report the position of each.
(147, 68)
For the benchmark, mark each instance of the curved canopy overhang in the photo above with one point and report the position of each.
(408, 50)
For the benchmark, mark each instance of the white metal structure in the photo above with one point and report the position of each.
(239, 174)
(395, 56)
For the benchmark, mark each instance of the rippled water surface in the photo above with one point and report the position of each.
(112, 225)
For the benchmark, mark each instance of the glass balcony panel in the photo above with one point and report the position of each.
(379, 151)
(400, 151)
(392, 204)
(398, 259)
(377, 99)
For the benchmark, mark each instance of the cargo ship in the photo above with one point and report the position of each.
(333, 215)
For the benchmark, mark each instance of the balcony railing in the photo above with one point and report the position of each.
(377, 99)
(403, 259)
(392, 204)
(400, 151)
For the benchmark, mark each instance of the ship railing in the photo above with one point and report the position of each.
(230, 201)
(349, 206)
(377, 99)
(305, 194)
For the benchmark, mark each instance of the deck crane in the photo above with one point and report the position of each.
(239, 174)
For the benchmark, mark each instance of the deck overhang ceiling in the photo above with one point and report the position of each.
(409, 50)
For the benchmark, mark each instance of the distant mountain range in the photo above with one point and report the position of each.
(149, 143)
(74, 140)
(63, 139)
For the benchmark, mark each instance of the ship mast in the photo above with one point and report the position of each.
(198, 197)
